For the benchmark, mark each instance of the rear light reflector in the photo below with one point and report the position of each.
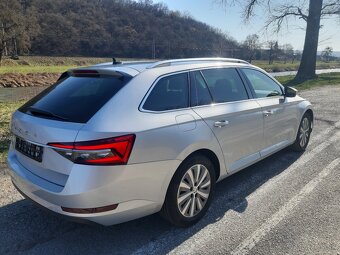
(110, 151)
(90, 210)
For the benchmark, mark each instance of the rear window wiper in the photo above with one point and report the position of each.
(39, 112)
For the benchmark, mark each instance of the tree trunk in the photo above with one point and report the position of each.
(1, 52)
(3, 44)
(15, 48)
(308, 61)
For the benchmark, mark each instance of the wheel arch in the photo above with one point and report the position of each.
(207, 153)
(310, 112)
(168, 210)
(304, 107)
(211, 156)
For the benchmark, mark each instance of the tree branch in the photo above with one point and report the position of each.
(303, 16)
(332, 4)
(249, 6)
(248, 10)
(282, 13)
(331, 8)
(331, 12)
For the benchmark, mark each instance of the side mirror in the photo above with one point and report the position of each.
(290, 92)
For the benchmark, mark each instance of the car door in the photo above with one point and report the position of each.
(220, 98)
(279, 115)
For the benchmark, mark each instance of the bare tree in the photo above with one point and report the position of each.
(327, 53)
(288, 52)
(311, 12)
(273, 51)
(251, 44)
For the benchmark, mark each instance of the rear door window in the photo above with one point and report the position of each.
(200, 94)
(225, 85)
(74, 99)
(170, 93)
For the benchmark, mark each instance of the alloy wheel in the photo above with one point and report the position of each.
(194, 190)
(304, 132)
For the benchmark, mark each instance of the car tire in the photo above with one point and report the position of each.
(303, 135)
(190, 191)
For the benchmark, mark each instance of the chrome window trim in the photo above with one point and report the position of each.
(224, 103)
(141, 109)
(273, 97)
(240, 101)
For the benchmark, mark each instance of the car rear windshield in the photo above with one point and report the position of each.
(74, 99)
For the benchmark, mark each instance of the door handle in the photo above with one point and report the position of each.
(221, 123)
(268, 113)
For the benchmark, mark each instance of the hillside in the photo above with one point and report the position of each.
(120, 28)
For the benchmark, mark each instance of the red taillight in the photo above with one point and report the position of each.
(62, 145)
(85, 72)
(111, 151)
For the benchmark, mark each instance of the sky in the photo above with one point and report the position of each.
(229, 19)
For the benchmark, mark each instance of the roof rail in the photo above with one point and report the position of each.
(195, 60)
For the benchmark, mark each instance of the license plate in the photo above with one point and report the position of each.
(30, 150)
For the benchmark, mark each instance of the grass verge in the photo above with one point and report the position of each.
(321, 80)
(6, 110)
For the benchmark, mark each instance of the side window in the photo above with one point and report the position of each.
(169, 93)
(200, 94)
(225, 85)
(262, 84)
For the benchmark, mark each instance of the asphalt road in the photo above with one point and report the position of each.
(287, 204)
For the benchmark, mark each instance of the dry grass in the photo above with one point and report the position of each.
(6, 110)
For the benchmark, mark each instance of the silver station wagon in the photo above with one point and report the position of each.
(117, 141)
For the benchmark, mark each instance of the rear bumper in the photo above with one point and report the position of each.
(138, 189)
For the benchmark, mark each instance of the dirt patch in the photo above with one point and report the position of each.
(27, 80)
